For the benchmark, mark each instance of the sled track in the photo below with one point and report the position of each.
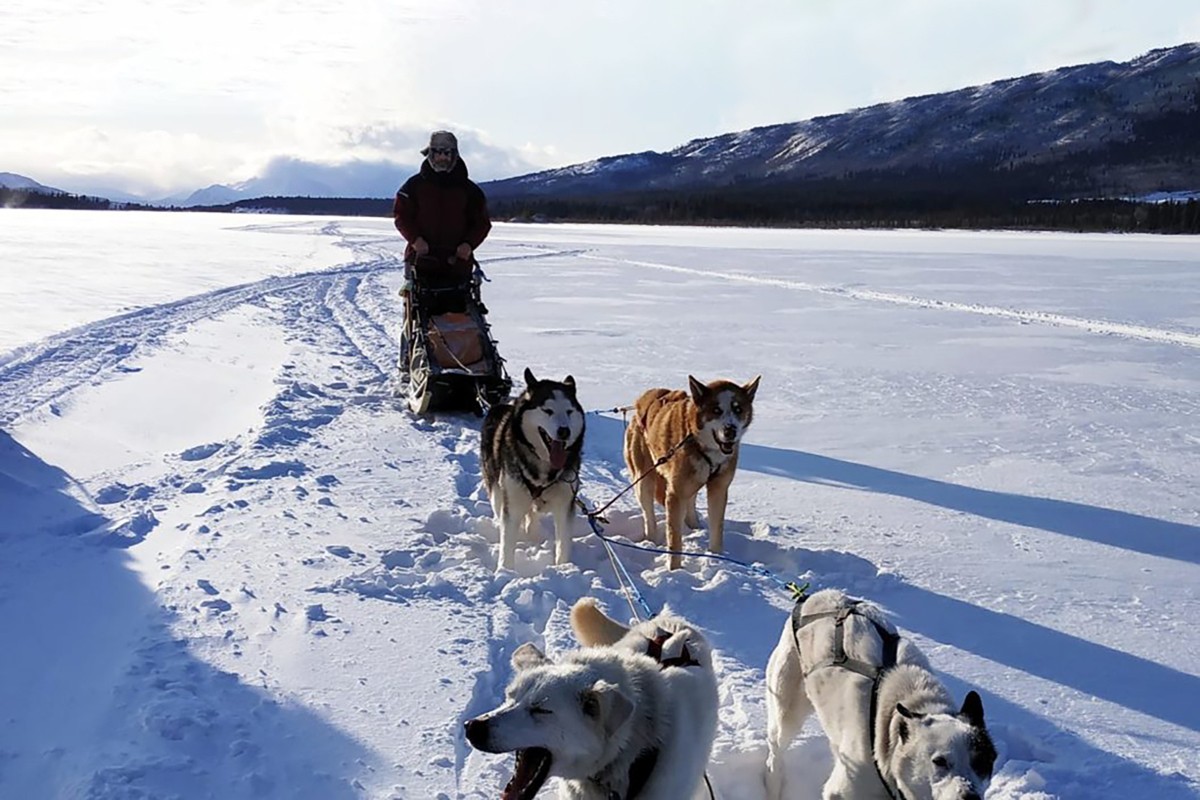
(1146, 333)
(39, 374)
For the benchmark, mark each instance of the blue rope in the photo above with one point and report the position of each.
(623, 576)
(796, 590)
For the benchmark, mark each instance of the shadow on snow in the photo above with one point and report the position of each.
(100, 696)
(1107, 526)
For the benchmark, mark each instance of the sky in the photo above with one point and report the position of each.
(174, 96)
(232, 564)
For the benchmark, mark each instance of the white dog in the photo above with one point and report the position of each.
(892, 726)
(632, 716)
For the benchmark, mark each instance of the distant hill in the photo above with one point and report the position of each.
(10, 180)
(290, 177)
(1104, 130)
(335, 206)
(18, 191)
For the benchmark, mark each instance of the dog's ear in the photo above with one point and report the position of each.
(530, 381)
(527, 656)
(569, 382)
(902, 728)
(752, 387)
(607, 704)
(698, 389)
(972, 710)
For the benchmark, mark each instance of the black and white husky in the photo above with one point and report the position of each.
(531, 451)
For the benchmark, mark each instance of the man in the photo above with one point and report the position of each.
(440, 211)
(443, 216)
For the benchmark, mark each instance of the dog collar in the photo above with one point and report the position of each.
(553, 477)
(639, 775)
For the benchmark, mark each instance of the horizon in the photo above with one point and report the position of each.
(538, 89)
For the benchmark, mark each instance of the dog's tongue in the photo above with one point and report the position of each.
(558, 454)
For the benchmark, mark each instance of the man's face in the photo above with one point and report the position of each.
(442, 158)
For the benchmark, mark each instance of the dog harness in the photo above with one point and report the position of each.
(713, 468)
(536, 489)
(643, 766)
(891, 644)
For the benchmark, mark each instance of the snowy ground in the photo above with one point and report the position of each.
(231, 565)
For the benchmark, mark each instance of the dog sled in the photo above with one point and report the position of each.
(448, 358)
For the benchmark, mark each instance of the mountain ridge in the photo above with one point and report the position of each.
(1010, 124)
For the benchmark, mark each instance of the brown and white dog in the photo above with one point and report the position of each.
(706, 426)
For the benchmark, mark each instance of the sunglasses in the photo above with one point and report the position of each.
(441, 151)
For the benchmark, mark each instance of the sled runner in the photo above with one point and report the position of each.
(447, 353)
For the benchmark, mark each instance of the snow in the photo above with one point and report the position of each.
(234, 566)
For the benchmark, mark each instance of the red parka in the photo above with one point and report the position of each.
(443, 208)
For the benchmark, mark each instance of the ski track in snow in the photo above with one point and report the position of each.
(450, 557)
(1166, 336)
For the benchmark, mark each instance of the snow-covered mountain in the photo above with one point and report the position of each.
(1103, 128)
(292, 177)
(287, 176)
(10, 180)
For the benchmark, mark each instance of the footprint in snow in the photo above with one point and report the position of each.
(216, 606)
(270, 469)
(201, 451)
(342, 551)
(119, 493)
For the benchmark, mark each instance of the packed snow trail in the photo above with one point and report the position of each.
(1182, 338)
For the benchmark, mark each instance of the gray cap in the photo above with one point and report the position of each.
(441, 140)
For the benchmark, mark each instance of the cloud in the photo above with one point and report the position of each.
(175, 95)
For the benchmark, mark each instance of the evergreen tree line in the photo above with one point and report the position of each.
(815, 207)
(28, 198)
(973, 195)
(722, 209)
(317, 206)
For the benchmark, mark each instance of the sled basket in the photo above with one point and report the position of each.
(447, 352)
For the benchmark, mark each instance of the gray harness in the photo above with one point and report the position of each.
(643, 766)
(891, 644)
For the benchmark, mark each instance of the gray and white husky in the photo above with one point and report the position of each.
(892, 726)
(632, 715)
(531, 452)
